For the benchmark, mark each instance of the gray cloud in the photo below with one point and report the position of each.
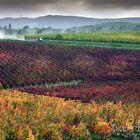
(125, 4)
(67, 6)
(24, 4)
(89, 3)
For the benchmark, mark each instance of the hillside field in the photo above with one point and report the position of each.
(116, 37)
(25, 64)
(56, 91)
(37, 117)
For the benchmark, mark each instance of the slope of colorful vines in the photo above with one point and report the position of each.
(35, 117)
(24, 64)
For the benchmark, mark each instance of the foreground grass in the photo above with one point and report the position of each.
(34, 117)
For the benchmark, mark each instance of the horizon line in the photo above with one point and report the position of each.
(15, 17)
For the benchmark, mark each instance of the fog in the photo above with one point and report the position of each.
(4, 36)
(10, 37)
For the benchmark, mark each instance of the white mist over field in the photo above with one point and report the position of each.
(4, 36)
(11, 37)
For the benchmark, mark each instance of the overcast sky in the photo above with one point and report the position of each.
(89, 8)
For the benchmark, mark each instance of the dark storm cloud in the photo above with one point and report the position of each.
(70, 7)
(25, 3)
(112, 3)
(87, 3)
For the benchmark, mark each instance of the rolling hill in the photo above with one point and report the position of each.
(58, 21)
(107, 27)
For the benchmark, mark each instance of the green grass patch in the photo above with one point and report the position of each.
(117, 37)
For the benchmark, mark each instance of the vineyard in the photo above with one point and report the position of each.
(25, 64)
(35, 117)
(124, 37)
(60, 92)
(127, 92)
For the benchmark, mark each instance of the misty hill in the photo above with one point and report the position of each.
(107, 27)
(57, 21)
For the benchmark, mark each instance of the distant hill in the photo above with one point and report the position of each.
(57, 21)
(107, 27)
